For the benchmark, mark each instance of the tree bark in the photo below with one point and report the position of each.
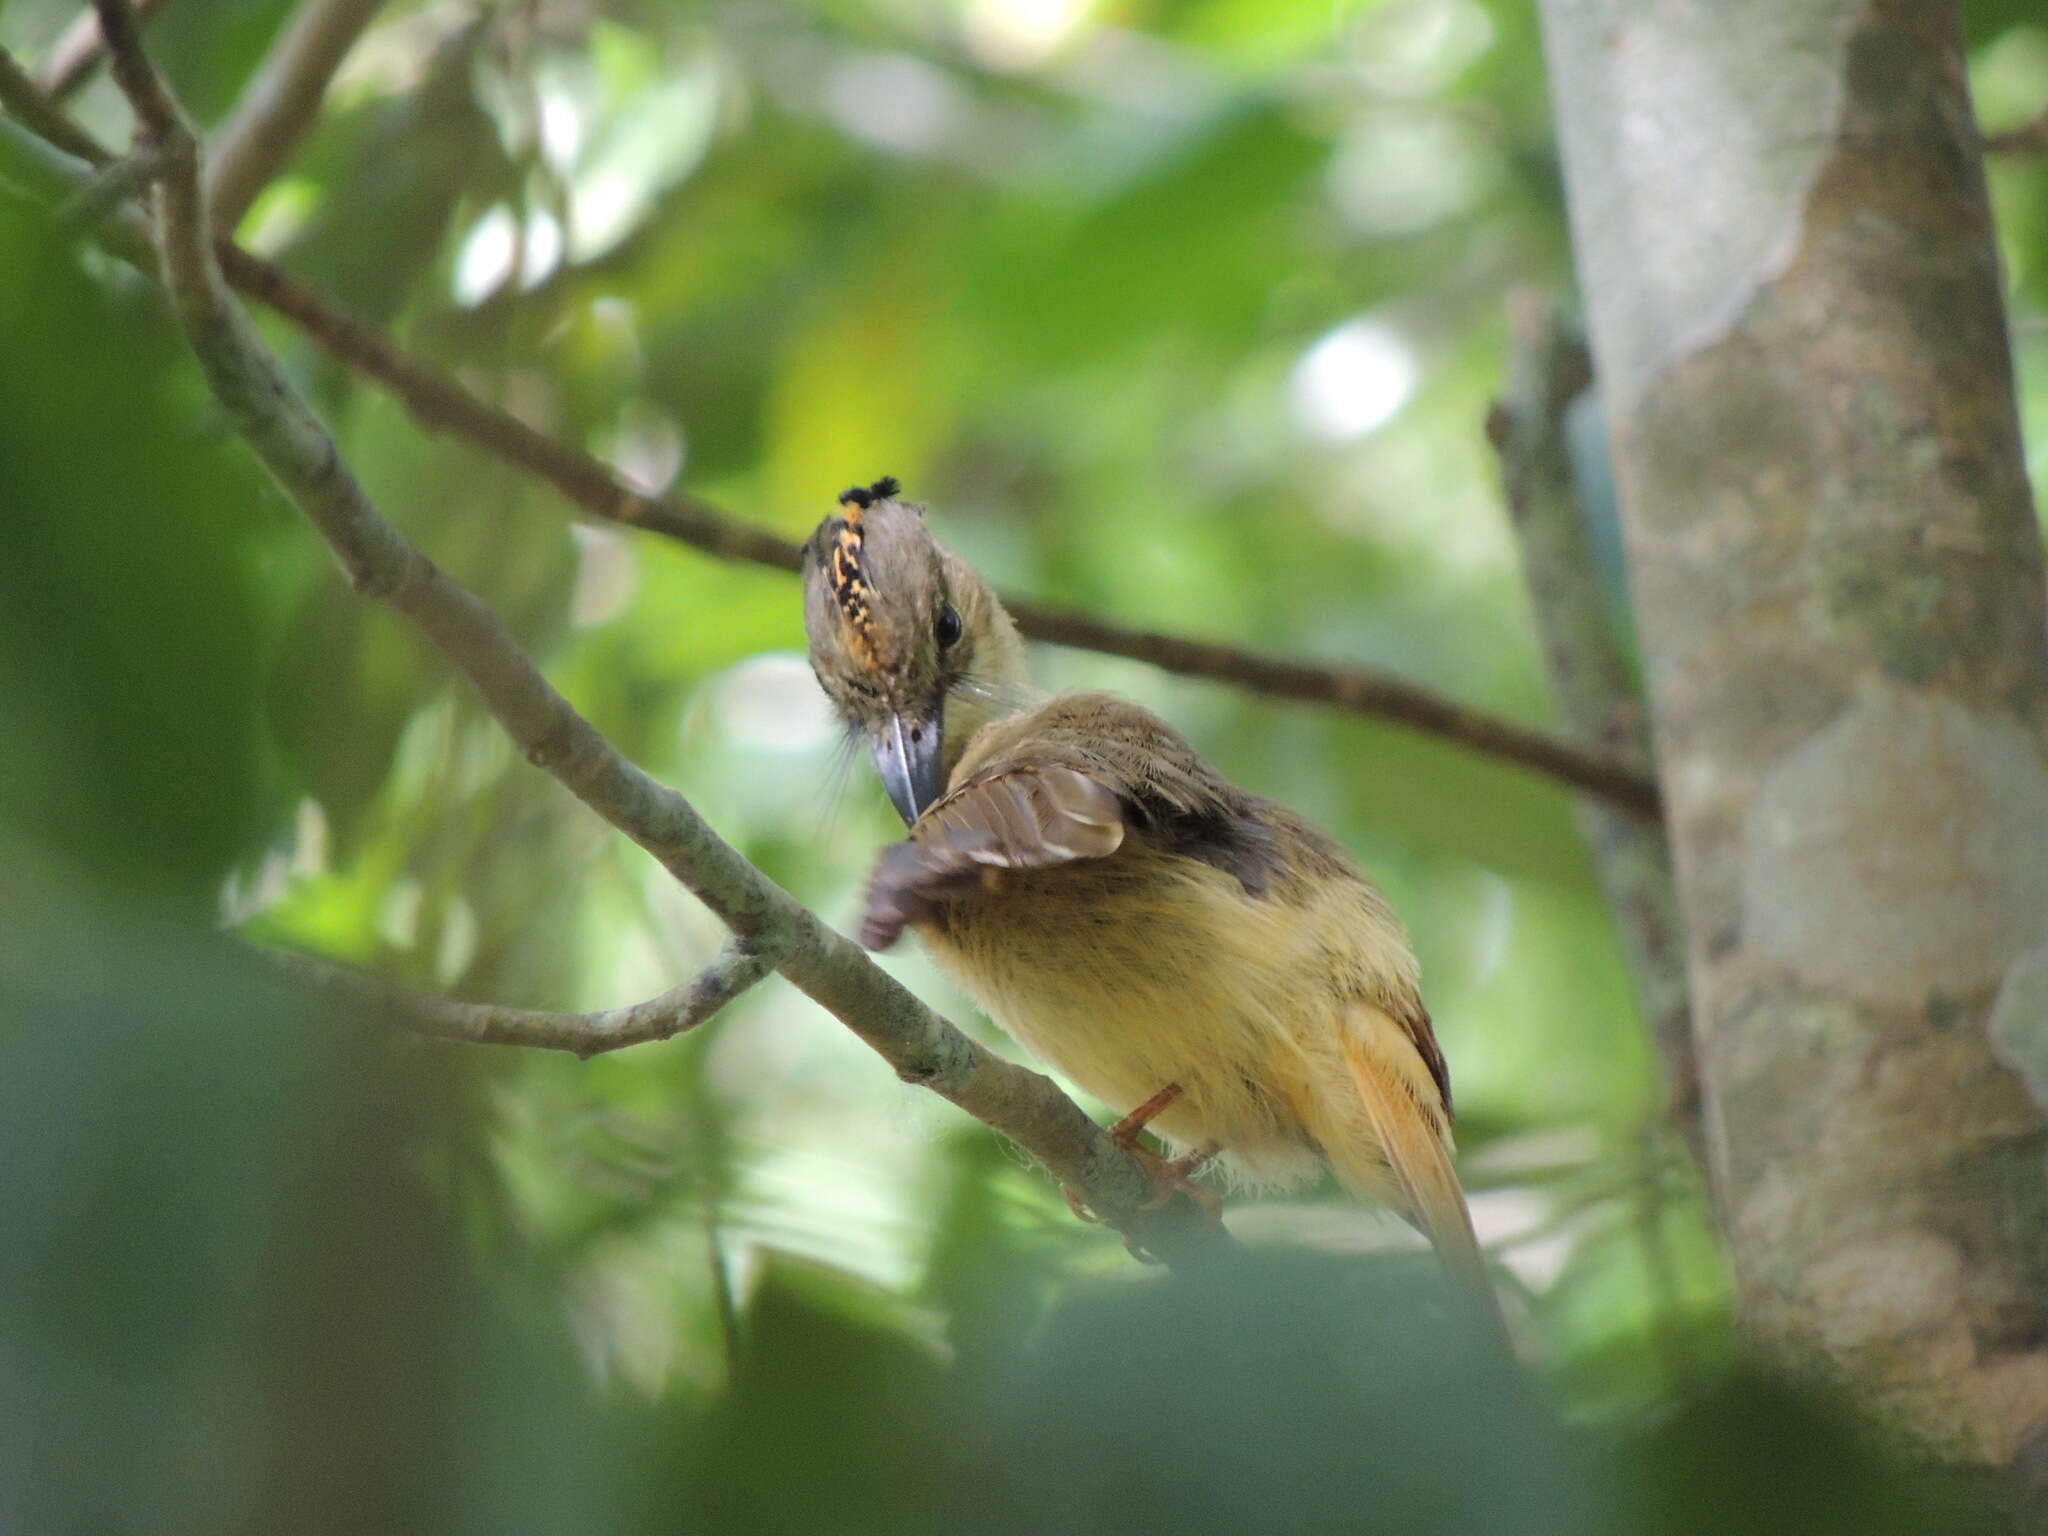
(1787, 256)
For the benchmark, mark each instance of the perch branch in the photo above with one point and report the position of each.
(380, 563)
(1548, 369)
(439, 403)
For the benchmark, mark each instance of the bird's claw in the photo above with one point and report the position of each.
(1078, 1205)
(1168, 1177)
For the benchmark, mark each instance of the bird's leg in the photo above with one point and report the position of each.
(1168, 1178)
(1126, 1131)
(1125, 1134)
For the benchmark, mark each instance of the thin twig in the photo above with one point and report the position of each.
(280, 103)
(78, 51)
(1590, 673)
(674, 1012)
(308, 468)
(107, 195)
(30, 164)
(27, 105)
(440, 403)
(2030, 138)
(1356, 689)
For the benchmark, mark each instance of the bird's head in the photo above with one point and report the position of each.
(911, 647)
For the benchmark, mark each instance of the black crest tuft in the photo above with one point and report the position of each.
(865, 496)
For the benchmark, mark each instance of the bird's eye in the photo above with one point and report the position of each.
(947, 626)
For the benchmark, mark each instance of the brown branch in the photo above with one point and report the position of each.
(280, 103)
(78, 51)
(380, 563)
(27, 105)
(439, 403)
(2030, 138)
(1590, 674)
(1355, 689)
(674, 1012)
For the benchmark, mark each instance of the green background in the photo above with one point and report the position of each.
(1185, 314)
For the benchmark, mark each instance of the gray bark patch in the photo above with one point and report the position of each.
(1902, 851)
(1771, 87)
(2019, 1022)
(1878, 1289)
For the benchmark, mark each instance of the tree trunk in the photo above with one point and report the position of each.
(1787, 257)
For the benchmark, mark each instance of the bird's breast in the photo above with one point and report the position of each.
(1131, 972)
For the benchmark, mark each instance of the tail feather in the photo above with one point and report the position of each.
(1417, 1146)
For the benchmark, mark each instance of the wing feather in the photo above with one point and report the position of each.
(1022, 818)
(1415, 1138)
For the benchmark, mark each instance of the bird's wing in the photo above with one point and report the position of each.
(1125, 748)
(1021, 818)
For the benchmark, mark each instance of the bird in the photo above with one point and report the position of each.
(1158, 935)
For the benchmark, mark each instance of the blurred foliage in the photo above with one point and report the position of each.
(1187, 312)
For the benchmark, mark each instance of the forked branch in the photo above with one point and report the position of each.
(276, 423)
(675, 1012)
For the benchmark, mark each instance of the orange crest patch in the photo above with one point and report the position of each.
(850, 584)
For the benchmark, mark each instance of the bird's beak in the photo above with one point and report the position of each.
(907, 758)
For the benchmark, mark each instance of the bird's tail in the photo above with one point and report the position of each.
(1415, 1138)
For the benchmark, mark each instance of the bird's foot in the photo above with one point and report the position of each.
(1188, 1164)
(1125, 1133)
(1168, 1176)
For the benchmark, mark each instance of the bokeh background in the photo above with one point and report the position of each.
(1187, 314)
